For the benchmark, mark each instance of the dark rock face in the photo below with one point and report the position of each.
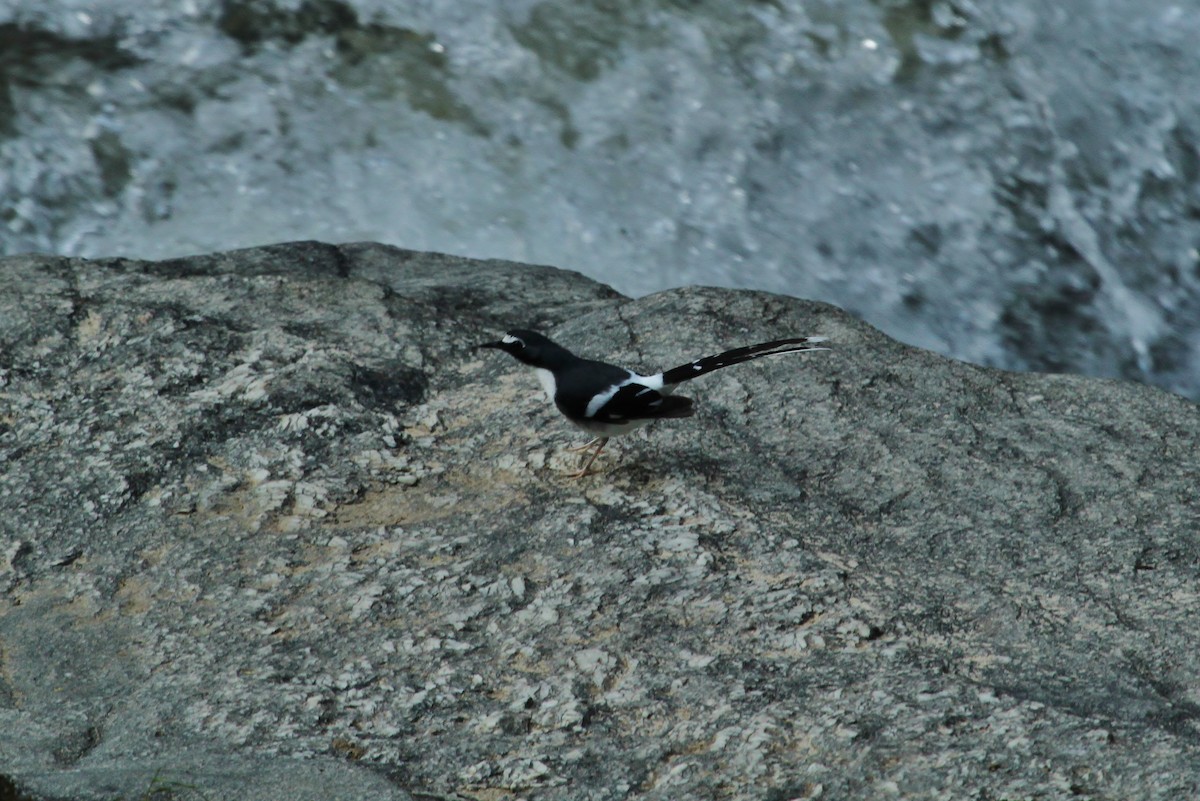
(270, 529)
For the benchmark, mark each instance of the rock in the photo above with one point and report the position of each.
(269, 528)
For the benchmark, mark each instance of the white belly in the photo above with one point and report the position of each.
(547, 381)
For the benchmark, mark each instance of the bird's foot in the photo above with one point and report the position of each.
(601, 442)
(584, 446)
(587, 471)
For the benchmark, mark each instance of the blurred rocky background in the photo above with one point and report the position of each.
(1011, 182)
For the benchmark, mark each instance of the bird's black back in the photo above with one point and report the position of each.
(579, 383)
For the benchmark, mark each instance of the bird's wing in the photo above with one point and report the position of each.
(636, 401)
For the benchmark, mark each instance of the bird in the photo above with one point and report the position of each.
(606, 400)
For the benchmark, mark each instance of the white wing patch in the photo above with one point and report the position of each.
(601, 398)
(509, 339)
(652, 383)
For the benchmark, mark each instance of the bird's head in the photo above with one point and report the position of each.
(529, 347)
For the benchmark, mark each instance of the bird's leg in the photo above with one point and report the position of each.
(581, 473)
(584, 446)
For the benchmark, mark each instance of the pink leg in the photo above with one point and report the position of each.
(581, 473)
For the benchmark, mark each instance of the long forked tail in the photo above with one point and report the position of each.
(686, 372)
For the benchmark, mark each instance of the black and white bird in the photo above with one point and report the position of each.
(606, 400)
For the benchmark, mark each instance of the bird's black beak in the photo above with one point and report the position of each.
(496, 345)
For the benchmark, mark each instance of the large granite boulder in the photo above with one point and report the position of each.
(270, 529)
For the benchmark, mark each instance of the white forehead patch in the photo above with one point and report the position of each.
(509, 339)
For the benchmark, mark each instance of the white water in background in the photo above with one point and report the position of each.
(1015, 183)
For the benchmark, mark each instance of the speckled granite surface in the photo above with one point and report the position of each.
(270, 529)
